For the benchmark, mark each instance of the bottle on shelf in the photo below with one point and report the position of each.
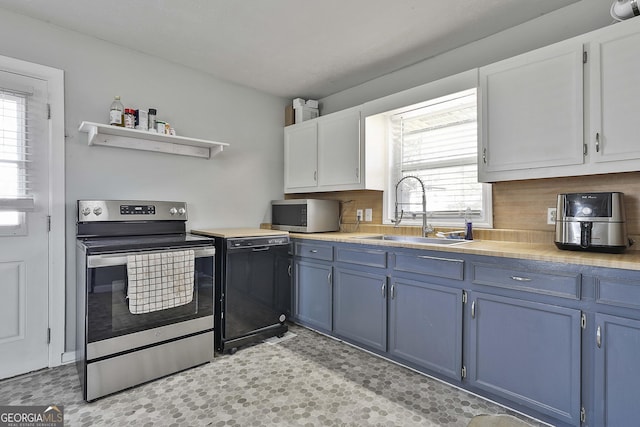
(116, 113)
(152, 119)
(129, 118)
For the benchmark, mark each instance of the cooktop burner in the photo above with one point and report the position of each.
(96, 245)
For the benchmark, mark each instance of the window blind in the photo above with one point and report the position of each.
(20, 111)
(438, 144)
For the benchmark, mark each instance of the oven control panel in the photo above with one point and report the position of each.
(137, 210)
(130, 210)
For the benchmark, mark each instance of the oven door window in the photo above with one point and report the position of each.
(108, 313)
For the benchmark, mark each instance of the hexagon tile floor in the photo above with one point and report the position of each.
(307, 380)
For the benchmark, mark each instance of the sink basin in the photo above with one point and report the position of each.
(417, 239)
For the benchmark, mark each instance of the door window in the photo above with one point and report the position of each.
(15, 158)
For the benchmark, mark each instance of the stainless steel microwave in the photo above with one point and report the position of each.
(305, 215)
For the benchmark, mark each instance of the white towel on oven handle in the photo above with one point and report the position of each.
(157, 281)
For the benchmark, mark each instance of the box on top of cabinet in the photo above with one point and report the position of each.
(289, 115)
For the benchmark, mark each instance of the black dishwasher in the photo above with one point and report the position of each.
(253, 289)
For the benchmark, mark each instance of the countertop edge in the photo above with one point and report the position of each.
(629, 260)
(226, 233)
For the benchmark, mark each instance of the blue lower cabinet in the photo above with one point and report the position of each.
(617, 349)
(425, 326)
(284, 279)
(526, 352)
(360, 307)
(313, 294)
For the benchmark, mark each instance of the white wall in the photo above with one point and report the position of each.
(232, 189)
(572, 20)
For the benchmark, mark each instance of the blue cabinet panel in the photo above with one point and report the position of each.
(313, 294)
(425, 326)
(618, 292)
(526, 352)
(367, 257)
(360, 307)
(556, 284)
(284, 293)
(617, 377)
(417, 262)
(314, 251)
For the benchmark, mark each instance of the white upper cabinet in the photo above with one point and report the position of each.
(614, 67)
(328, 154)
(532, 108)
(531, 113)
(301, 157)
(339, 149)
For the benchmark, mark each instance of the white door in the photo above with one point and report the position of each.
(24, 201)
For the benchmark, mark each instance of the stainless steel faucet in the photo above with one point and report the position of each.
(426, 229)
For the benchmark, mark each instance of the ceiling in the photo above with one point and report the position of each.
(289, 48)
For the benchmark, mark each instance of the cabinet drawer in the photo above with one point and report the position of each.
(368, 257)
(431, 265)
(312, 250)
(556, 284)
(618, 292)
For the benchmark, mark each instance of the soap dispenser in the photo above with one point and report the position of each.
(469, 225)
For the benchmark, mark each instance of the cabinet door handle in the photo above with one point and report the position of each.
(598, 337)
(384, 289)
(315, 175)
(313, 251)
(520, 279)
(357, 173)
(393, 291)
(484, 155)
(329, 278)
(289, 270)
(435, 258)
(473, 310)
(597, 142)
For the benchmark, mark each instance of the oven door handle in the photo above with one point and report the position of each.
(110, 260)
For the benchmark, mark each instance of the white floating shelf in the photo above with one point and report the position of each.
(115, 136)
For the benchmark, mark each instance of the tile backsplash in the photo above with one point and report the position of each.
(517, 205)
(522, 205)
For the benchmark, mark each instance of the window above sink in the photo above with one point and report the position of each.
(431, 133)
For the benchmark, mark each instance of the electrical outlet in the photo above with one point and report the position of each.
(359, 214)
(551, 216)
(368, 214)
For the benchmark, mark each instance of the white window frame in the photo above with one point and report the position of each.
(56, 202)
(377, 112)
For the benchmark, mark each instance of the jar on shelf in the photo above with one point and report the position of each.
(152, 119)
(129, 118)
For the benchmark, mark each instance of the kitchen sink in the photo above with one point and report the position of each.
(416, 239)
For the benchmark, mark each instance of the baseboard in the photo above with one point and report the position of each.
(68, 357)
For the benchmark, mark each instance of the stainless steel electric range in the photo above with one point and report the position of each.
(144, 294)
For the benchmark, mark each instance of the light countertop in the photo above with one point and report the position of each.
(237, 232)
(629, 260)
